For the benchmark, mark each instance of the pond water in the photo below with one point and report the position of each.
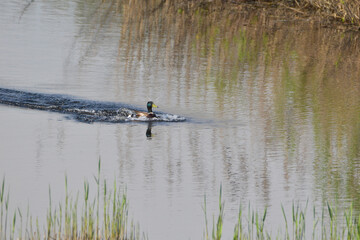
(271, 107)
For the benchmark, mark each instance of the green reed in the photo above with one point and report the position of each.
(4, 206)
(333, 225)
(68, 221)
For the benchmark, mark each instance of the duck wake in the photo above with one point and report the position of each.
(79, 109)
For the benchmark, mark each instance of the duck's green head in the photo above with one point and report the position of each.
(150, 105)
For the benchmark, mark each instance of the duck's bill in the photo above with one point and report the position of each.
(154, 106)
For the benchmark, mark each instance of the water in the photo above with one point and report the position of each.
(82, 110)
(271, 108)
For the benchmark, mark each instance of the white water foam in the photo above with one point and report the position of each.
(161, 117)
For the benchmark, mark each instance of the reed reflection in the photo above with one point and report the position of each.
(302, 92)
(295, 91)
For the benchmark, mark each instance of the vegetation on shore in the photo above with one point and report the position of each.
(66, 221)
(345, 11)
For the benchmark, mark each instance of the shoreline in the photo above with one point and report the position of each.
(328, 16)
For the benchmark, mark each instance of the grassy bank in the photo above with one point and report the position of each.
(345, 12)
(106, 217)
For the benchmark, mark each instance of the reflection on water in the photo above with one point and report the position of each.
(148, 131)
(274, 106)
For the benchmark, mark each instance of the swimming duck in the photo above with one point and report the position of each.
(148, 114)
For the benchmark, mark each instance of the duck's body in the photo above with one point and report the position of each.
(145, 114)
(149, 113)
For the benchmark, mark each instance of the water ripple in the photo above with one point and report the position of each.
(79, 109)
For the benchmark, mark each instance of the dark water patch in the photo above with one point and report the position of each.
(78, 109)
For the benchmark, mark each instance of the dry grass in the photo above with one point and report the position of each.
(345, 11)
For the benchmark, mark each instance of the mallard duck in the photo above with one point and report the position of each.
(148, 114)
